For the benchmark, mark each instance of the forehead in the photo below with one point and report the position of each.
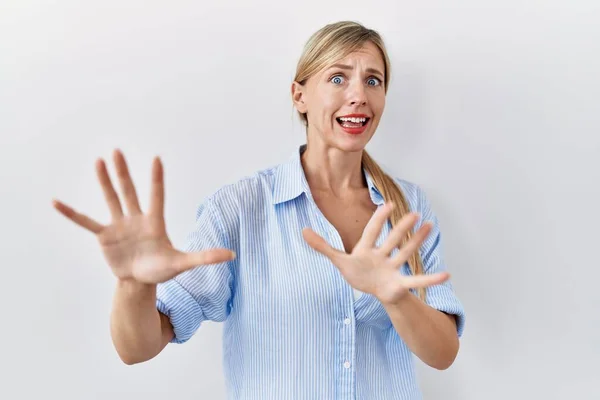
(368, 56)
(368, 51)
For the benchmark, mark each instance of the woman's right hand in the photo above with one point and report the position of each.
(136, 246)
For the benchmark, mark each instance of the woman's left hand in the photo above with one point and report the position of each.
(372, 270)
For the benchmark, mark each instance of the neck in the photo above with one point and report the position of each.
(332, 170)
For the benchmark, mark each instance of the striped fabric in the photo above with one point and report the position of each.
(292, 326)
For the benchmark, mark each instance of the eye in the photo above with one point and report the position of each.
(374, 81)
(337, 79)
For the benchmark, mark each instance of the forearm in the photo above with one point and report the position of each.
(429, 334)
(136, 326)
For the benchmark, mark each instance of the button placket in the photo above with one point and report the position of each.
(346, 305)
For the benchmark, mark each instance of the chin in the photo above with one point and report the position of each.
(350, 146)
(352, 143)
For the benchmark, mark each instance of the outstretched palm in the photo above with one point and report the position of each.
(372, 270)
(136, 246)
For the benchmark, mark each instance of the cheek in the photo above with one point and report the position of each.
(328, 106)
(378, 103)
(330, 101)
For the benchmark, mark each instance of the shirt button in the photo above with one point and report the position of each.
(347, 364)
(347, 321)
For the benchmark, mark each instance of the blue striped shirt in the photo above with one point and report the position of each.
(293, 328)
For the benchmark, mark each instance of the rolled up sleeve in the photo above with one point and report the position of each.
(202, 293)
(441, 297)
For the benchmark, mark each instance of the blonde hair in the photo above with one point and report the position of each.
(326, 46)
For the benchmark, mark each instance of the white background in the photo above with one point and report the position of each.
(493, 110)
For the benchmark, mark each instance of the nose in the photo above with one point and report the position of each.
(357, 94)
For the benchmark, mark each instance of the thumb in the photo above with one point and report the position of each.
(319, 244)
(424, 281)
(185, 261)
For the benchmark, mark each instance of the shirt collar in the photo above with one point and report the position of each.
(290, 181)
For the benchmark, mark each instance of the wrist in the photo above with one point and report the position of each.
(405, 299)
(131, 286)
(392, 294)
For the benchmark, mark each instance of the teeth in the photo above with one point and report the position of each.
(355, 120)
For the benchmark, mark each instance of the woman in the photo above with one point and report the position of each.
(320, 296)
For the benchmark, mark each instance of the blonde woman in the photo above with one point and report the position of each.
(326, 272)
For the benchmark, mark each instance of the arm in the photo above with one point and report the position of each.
(431, 329)
(139, 332)
(138, 250)
(145, 318)
(430, 334)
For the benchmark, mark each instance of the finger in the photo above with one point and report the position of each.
(126, 184)
(80, 219)
(423, 281)
(185, 261)
(110, 195)
(399, 232)
(319, 244)
(375, 225)
(157, 197)
(412, 245)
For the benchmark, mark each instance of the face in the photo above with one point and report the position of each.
(344, 102)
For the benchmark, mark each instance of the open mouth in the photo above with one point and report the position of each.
(352, 122)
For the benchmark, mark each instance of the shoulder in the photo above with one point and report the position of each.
(248, 195)
(415, 195)
(250, 189)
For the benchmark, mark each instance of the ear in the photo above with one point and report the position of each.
(298, 97)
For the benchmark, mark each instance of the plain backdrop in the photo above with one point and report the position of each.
(493, 110)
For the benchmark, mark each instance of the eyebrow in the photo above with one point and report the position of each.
(348, 67)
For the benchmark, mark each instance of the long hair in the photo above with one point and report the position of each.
(334, 42)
